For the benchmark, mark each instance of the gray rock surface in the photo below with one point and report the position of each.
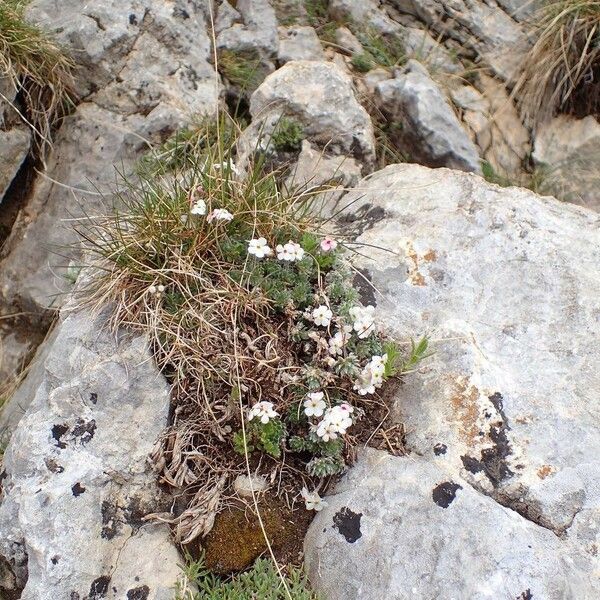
(15, 137)
(145, 71)
(485, 28)
(429, 130)
(504, 283)
(299, 43)
(77, 480)
(404, 528)
(320, 97)
(257, 31)
(567, 152)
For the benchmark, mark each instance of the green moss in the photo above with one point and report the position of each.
(288, 136)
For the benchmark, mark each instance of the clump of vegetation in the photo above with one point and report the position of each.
(244, 69)
(562, 70)
(264, 581)
(382, 50)
(276, 365)
(287, 136)
(363, 62)
(38, 69)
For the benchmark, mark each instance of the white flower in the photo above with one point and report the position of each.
(220, 214)
(322, 315)
(335, 421)
(259, 248)
(199, 207)
(227, 165)
(363, 320)
(160, 289)
(339, 340)
(264, 411)
(290, 251)
(314, 405)
(152, 289)
(312, 500)
(371, 377)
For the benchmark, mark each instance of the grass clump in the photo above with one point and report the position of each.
(262, 581)
(243, 69)
(275, 364)
(37, 67)
(287, 136)
(562, 70)
(363, 62)
(383, 50)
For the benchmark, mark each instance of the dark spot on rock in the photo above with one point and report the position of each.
(492, 460)
(180, 12)
(471, 464)
(54, 560)
(53, 466)
(111, 523)
(348, 524)
(94, 398)
(99, 588)
(77, 489)
(138, 593)
(133, 19)
(440, 449)
(136, 578)
(74, 596)
(444, 493)
(364, 287)
(84, 430)
(526, 595)
(57, 432)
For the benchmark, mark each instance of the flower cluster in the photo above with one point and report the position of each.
(157, 290)
(335, 422)
(263, 411)
(371, 376)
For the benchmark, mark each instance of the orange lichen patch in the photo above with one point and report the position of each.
(464, 404)
(430, 256)
(545, 470)
(237, 540)
(414, 276)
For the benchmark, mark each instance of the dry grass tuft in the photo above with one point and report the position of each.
(37, 68)
(562, 71)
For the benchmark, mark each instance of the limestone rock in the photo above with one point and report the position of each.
(299, 43)
(485, 28)
(366, 13)
(347, 40)
(321, 98)
(77, 482)
(495, 125)
(429, 130)
(258, 31)
(407, 528)
(567, 151)
(505, 284)
(14, 146)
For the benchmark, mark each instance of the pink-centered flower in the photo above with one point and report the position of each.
(328, 244)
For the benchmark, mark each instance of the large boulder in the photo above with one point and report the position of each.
(426, 126)
(503, 416)
(320, 97)
(77, 484)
